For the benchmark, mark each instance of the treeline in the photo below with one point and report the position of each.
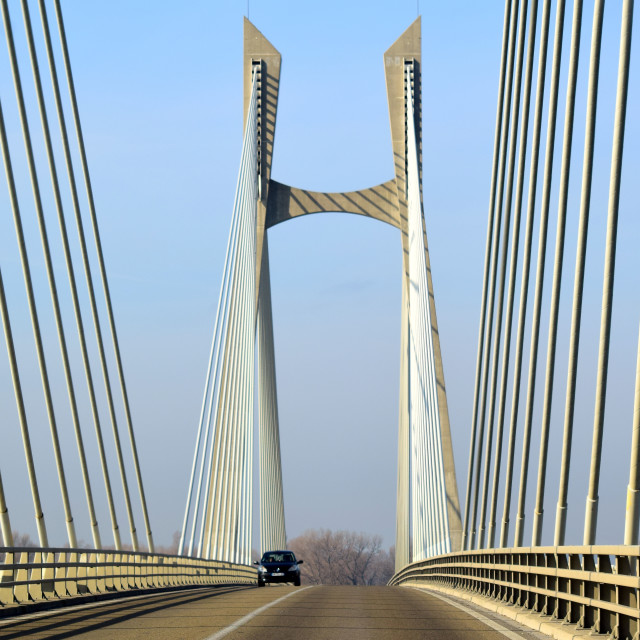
(19, 540)
(25, 540)
(343, 558)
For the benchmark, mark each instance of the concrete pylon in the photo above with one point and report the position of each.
(408, 47)
(386, 202)
(261, 57)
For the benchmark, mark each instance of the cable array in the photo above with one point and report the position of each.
(217, 522)
(528, 142)
(41, 198)
(430, 524)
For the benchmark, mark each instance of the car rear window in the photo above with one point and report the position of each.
(278, 557)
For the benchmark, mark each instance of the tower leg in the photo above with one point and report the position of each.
(403, 552)
(272, 528)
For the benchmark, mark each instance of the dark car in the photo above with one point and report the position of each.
(278, 566)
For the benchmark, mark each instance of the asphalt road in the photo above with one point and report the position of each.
(282, 612)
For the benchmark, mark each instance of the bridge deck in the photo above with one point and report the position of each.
(314, 613)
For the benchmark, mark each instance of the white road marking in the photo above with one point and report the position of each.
(512, 635)
(238, 623)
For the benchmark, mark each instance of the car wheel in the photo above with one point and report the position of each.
(260, 583)
(296, 582)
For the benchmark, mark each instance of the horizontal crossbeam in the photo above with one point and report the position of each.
(287, 202)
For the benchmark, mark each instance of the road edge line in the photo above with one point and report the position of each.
(512, 635)
(242, 621)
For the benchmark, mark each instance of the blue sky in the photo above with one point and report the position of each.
(160, 93)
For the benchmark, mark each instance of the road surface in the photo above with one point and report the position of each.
(282, 612)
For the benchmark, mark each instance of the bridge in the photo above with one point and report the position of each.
(552, 548)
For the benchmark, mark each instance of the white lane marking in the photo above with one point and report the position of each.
(512, 635)
(238, 623)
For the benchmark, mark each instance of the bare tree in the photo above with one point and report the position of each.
(342, 557)
(19, 540)
(172, 549)
(384, 566)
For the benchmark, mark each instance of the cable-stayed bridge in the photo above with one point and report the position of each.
(458, 547)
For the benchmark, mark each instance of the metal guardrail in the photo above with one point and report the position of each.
(592, 587)
(36, 574)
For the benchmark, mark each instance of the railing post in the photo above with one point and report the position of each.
(100, 573)
(625, 596)
(142, 581)
(606, 619)
(117, 575)
(551, 584)
(108, 571)
(7, 576)
(587, 613)
(563, 586)
(152, 571)
(35, 576)
(92, 573)
(21, 591)
(48, 590)
(574, 611)
(127, 570)
(60, 584)
(83, 583)
(138, 571)
(162, 572)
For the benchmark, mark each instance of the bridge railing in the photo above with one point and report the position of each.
(37, 574)
(595, 587)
